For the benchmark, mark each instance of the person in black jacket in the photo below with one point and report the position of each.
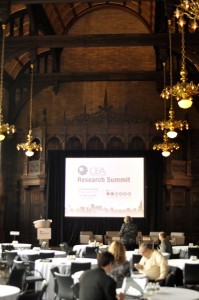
(128, 233)
(95, 284)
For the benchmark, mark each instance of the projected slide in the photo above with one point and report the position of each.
(104, 187)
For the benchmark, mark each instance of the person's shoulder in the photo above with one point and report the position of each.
(89, 272)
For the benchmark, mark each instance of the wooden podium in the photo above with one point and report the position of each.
(43, 230)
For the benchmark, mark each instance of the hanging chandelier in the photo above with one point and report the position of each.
(30, 146)
(190, 9)
(171, 125)
(166, 147)
(184, 91)
(5, 128)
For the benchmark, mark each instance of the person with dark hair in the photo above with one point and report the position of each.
(165, 244)
(153, 264)
(95, 284)
(128, 233)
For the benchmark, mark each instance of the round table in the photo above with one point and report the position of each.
(176, 249)
(172, 293)
(180, 262)
(64, 265)
(18, 245)
(24, 252)
(8, 292)
(129, 254)
(80, 249)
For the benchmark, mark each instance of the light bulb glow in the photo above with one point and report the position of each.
(2, 137)
(29, 153)
(185, 103)
(165, 153)
(172, 134)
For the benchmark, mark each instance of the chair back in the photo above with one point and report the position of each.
(193, 252)
(33, 257)
(191, 274)
(135, 260)
(10, 255)
(91, 252)
(77, 266)
(34, 295)
(76, 288)
(43, 288)
(170, 280)
(44, 255)
(17, 278)
(65, 290)
(178, 274)
(53, 270)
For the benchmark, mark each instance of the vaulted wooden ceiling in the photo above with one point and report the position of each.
(42, 30)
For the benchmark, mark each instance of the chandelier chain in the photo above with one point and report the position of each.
(31, 93)
(2, 71)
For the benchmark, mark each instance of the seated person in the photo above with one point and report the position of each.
(121, 267)
(95, 284)
(153, 264)
(165, 244)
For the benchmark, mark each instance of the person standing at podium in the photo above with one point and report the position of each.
(128, 233)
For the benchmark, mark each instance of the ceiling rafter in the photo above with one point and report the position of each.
(97, 40)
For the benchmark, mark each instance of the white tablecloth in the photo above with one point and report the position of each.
(17, 245)
(180, 262)
(129, 255)
(33, 252)
(25, 252)
(8, 292)
(64, 266)
(170, 293)
(81, 248)
(176, 249)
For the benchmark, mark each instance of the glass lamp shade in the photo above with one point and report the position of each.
(185, 103)
(29, 153)
(2, 136)
(165, 153)
(172, 134)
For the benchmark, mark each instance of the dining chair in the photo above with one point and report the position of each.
(79, 266)
(53, 270)
(170, 280)
(49, 254)
(178, 275)
(65, 247)
(34, 295)
(191, 275)
(10, 256)
(65, 290)
(193, 252)
(33, 257)
(31, 274)
(75, 288)
(17, 278)
(91, 252)
(135, 260)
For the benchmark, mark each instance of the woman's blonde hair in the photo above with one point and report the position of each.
(118, 250)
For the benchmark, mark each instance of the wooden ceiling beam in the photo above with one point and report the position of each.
(90, 76)
(98, 40)
(97, 76)
(55, 1)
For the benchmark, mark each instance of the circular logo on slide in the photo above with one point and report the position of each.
(82, 170)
